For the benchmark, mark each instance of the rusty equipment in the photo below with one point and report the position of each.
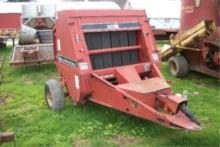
(198, 40)
(35, 38)
(110, 58)
(9, 29)
(7, 137)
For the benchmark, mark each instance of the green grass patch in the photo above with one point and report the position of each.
(25, 112)
(160, 43)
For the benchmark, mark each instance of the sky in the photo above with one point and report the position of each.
(154, 8)
(159, 8)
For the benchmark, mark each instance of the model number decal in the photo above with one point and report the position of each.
(67, 61)
(113, 26)
(83, 66)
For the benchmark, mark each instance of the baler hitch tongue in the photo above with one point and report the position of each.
(176, 113)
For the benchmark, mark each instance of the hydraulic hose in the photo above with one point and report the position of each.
(188, 113)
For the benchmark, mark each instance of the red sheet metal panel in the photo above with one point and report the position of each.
(193, 11)
(10, 21)
(146, 86)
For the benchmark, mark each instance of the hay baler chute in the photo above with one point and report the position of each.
(110, 58)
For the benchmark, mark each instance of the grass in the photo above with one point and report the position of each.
(160, 43)
(25, 112)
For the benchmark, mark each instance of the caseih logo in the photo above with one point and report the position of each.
(67, 61)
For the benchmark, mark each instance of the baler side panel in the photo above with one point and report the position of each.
(84, 63)
(64, 46)
(149, 47)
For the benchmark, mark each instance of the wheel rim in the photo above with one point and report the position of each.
(49, 98)
(173, 67)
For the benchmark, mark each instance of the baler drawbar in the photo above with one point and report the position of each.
(110, 58)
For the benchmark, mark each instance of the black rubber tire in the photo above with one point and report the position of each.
(54, 95)
(178, 66)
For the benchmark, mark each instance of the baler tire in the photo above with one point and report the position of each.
(54, 95)
(178, 66)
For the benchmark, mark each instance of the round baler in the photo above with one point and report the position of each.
(109, 57)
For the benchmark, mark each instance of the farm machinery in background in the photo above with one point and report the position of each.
(196, 47)
(109, 57)
(35, 38)
(163, 22)
(9, 27)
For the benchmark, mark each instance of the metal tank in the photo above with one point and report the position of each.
(27, 35)
(194, 11)
(48, 10)
(29, 10)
